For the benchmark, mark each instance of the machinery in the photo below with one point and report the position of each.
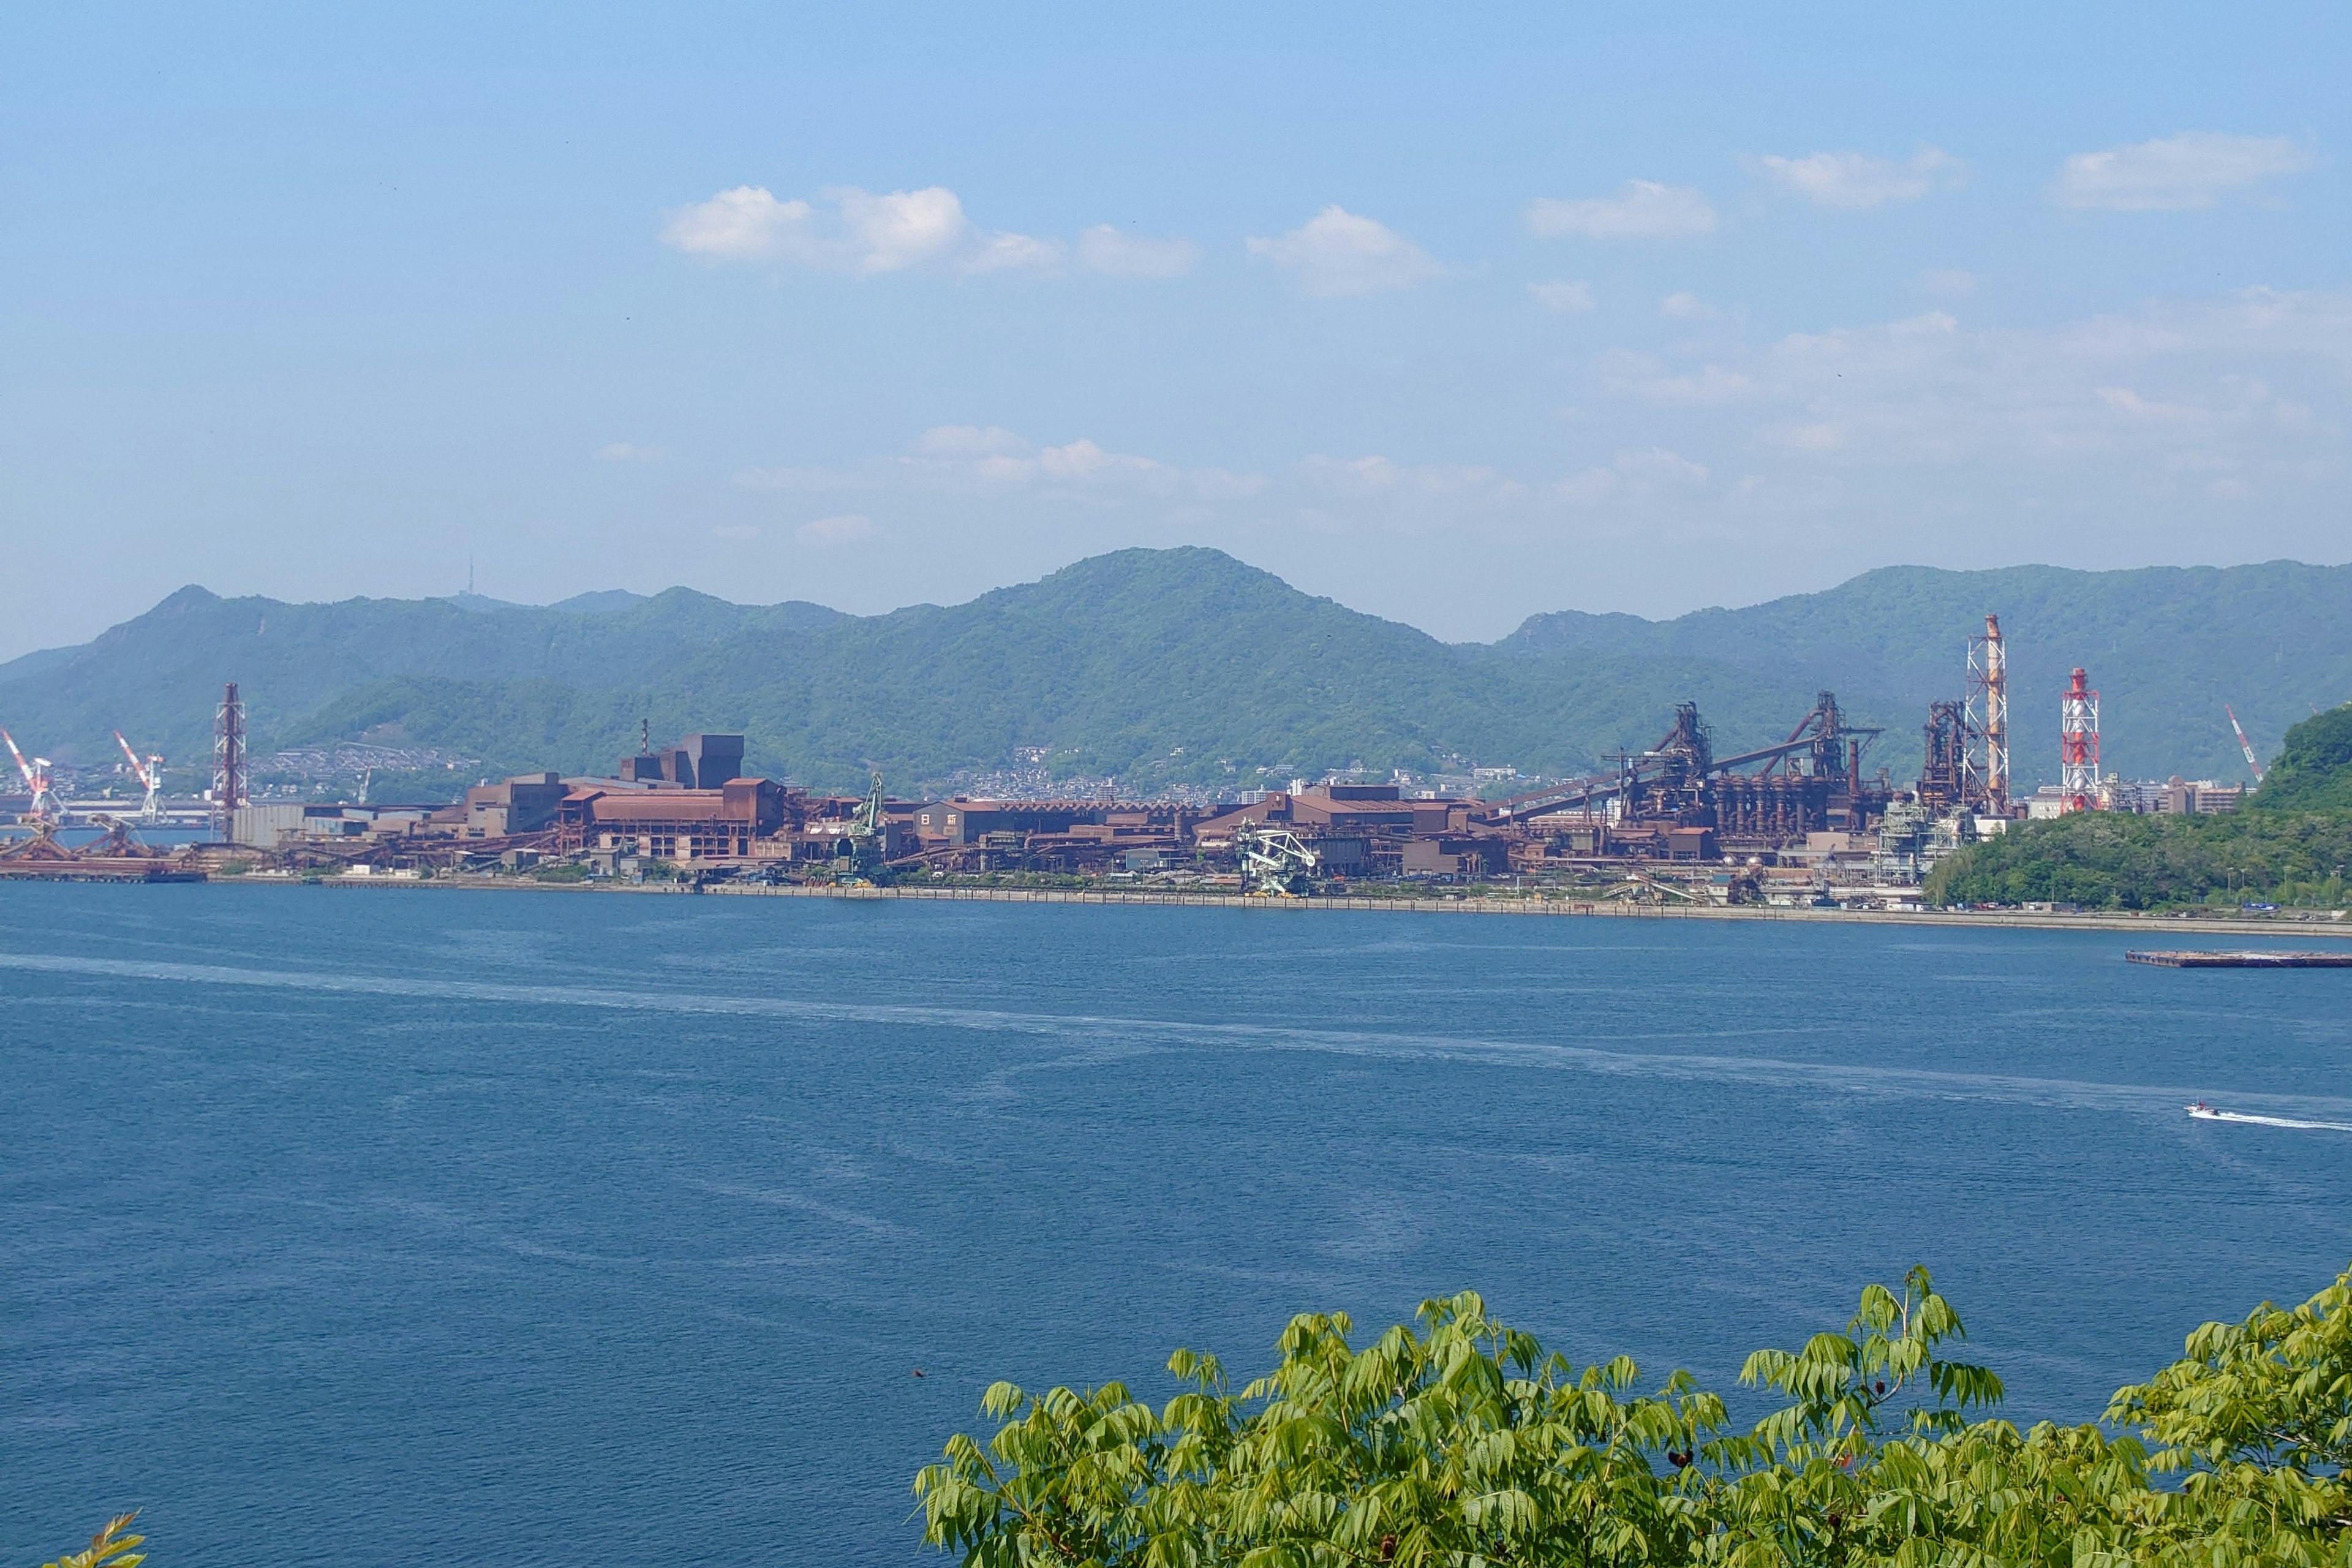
(1809, 782)
(1946, 774)
(857, 858)
(149, 772)
(1276, 862)
(35, 771)
(2245, 746)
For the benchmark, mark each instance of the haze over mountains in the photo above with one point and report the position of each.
(1187, 665)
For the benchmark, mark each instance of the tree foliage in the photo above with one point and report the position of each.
(1461, 1443)
(2314, 770)
(109, 1548)
(2119, 860)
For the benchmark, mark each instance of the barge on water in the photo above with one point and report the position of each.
(2178, 959)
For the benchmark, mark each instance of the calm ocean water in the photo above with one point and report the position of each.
(407, 1227)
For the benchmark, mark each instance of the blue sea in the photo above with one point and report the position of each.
(404, 1225)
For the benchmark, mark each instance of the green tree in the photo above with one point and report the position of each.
(109, 1548)
(1463, 1444)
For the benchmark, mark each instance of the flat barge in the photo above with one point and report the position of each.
(2240, 959)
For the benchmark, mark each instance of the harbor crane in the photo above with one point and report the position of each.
(1275, 863)
(149, 772)
(2245, 746)
(858, 853)
(36, 774)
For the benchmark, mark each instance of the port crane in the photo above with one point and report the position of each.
(2245, 746)
(858, 854)
(36, 774)
(1275, 863)
(149, 772)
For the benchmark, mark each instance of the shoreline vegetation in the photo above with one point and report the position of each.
(2290, 845)
(1464, 1443)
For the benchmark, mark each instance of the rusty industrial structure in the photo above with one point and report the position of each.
(228, 763)
(1678, 819)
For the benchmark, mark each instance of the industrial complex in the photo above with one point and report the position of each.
(1798, 821)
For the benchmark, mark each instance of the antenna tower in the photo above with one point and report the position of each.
(2078, 747)
(228, 763)
(1988, 713)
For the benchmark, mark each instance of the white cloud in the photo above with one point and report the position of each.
(902, 228)
(2126, 398)
(1336, 253)
(840, 530)
(1562, 298)
(1854, 181)
(1641, 209)
(1083, 459)
(864, 234)
(1011, 252)
(995, 459)
(968, 441)
(1109, 250)
(746, 224)
(1686, 308)
(2174, 173)
(628, 452)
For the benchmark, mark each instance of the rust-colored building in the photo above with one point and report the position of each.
(719, 823)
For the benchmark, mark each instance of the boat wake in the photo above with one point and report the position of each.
(2203, 1112)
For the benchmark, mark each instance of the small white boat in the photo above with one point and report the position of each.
(2204, 1113)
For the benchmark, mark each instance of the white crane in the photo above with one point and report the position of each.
(36, 774)
(149, 772)
(2244, 745)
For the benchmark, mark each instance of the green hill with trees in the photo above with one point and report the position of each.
(2289, 844)
(1183, 666)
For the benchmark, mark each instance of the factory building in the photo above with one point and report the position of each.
(524, 804)
(697, 761)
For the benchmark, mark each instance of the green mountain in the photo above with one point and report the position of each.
(1186, 665)
(2314, 772)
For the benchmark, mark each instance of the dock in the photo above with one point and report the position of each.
(2178, 959)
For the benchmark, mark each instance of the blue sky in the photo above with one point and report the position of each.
(1452, 315)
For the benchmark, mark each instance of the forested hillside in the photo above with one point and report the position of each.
(1186, 665)
(2290, 844)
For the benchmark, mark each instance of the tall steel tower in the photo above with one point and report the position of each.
(228, 763)
(1988, 713)
(2078, 747)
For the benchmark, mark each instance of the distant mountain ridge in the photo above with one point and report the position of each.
(1161, 666)
(2168, 648)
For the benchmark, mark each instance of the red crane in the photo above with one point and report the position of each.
(2244, 745)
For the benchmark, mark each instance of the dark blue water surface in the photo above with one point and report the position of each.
(404, 1226)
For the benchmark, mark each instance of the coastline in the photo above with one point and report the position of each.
(1532, 905)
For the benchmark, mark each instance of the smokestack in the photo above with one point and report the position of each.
(1988, 711)
(228, 763)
